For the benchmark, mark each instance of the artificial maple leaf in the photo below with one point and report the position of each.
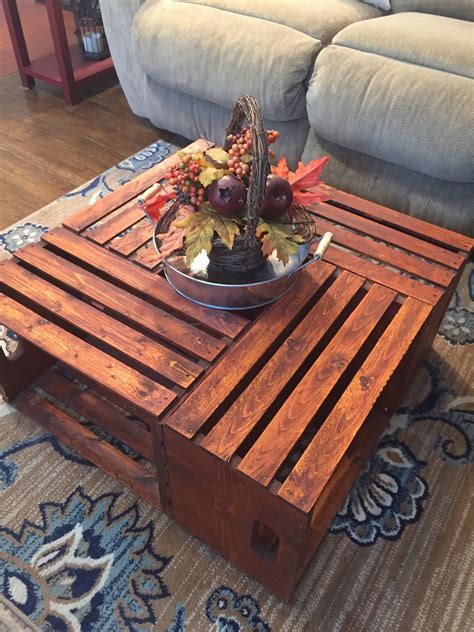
(153, 206)
(199, 231)
(278, 237)
(174, 239)
(304, 178)
(308, 177)
(209, 174)
(227, 229)
(281, 169)
(217, 154)
(198, 240)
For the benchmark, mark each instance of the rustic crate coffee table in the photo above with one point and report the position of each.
(248, 429)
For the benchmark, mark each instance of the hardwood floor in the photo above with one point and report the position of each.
(48, 148)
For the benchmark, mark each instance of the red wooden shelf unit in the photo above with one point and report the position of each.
(64, 67)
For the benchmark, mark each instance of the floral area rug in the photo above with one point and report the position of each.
(79, 552)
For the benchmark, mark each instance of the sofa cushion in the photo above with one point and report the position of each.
(218, 56)
(424, 40)
(460, 9)
(381, 4)
(320, 19)
(417, 117)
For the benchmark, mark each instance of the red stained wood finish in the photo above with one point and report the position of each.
(254, 426)
(65, 67)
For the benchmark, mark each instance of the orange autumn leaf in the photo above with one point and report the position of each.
(304, 180)
(307, 177)
(281, 169)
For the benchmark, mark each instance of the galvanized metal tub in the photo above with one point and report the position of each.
(204, 286)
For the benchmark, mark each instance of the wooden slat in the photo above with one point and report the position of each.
(273, 446)
(313, 471)
(90, 446)
(245, 412)
(384, 276)
(110, 373)
(99, 412)
(94, 322)
(402, 220)
(394, 257)
(110, 228)
(92, 214)
(245, 353)
(158, 322)
(389, 235)
(133, 240)
(148, 258)
(145, 282)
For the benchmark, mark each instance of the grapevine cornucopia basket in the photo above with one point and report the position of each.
(233, 231)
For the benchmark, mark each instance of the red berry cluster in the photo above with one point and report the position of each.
(241, 146)
(184, 179)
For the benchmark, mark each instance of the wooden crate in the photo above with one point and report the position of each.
(129, 349)
(248, 429)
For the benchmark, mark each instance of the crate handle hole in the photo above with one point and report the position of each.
(265, 541)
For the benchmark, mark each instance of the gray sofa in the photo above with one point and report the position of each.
(389, 96)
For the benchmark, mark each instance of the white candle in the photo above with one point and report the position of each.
(93, 42)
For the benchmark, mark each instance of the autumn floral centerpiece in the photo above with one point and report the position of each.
(229, 204)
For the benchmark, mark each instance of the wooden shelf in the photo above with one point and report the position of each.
(46, 68)
(65, 67)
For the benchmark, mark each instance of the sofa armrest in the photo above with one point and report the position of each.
(118, 17)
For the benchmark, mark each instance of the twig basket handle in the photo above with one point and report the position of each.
(247, 108)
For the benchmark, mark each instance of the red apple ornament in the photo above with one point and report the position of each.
(278, 197)
(227, 195)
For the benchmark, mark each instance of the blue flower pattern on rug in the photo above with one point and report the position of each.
(231, 613)
(386, 496)
(457, 325)
(84, 566)
(437, 406)
(9, 469)
(146, 158)
(20, 236)
(178, 624)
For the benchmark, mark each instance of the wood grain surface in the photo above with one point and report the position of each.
(90, 446)
(124, 305)
(384, 275)
(313, 471)
(235, 424)
(98, 411)
(112, 374)
(275, 443)
(389, 235)
(246, 353)
(110, 228)
(150, 285)
(92, 321)
(402, 221)
(394, 257)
